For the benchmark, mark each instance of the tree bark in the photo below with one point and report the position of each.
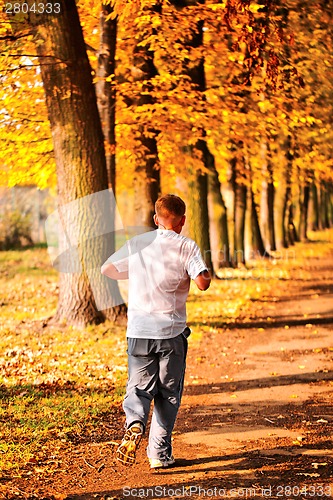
(198, 204)
(248, 229)
(267, 202)
(147, 171)
(198, 182)
(219, 220)
(198, 214)
(106, 89)
(304, 210)
(280, 207)
(81, 167)
(290, 221)
(258, 247)
(283, 199)
(323, 206)
(313, 223)
(330, 203)
(240, 195)
(254, 245)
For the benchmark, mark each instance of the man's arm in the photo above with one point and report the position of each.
(203, 280)
(111, 272)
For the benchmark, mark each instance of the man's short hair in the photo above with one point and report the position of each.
(170, 204)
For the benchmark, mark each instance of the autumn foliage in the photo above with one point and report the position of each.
(236, 95)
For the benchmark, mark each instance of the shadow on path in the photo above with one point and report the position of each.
(245, 385)
(227, 481)
(280, 323)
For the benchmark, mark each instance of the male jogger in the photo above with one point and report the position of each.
(159, 266)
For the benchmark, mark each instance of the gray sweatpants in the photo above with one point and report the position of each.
(156, 371)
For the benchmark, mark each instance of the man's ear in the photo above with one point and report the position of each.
(155, 219)
(182, 222)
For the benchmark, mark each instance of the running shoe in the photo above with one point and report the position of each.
(131, 440)
(157, 463)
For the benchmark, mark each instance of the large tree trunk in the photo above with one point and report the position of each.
(81, 168)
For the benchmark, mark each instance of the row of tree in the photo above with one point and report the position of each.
(228, 104)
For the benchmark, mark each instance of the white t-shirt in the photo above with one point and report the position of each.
(160, 265)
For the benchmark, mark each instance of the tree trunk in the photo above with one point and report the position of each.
(199, 190)
(258, 243)
(228, 192)
(81, 168)
(290, 224)
(219, 221)
(280, 207)
(267, 204)
(106, 102)
(248, 230)
(106, 89)
(304, 210)
(240, 193)
(313, 219)
(282, 199)
(297, 202)
(198, 215)
(198, 182)
(254, 245)
(327, 205)
(323, 206)
(147, 184)
(198, 195)
(330, 202)
(147, 172)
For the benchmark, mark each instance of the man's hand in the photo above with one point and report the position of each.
(111, 272)
(203, 280)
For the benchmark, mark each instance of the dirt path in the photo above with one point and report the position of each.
(256, 419)
(257, 416)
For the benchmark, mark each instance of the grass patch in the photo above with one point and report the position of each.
(47, 418)
(57, 385)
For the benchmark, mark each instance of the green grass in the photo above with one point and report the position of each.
(38, 420)
(58, 385)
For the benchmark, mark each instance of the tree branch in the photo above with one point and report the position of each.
(27, 66)
(31, 55)
(11, 141)
(13, 38)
